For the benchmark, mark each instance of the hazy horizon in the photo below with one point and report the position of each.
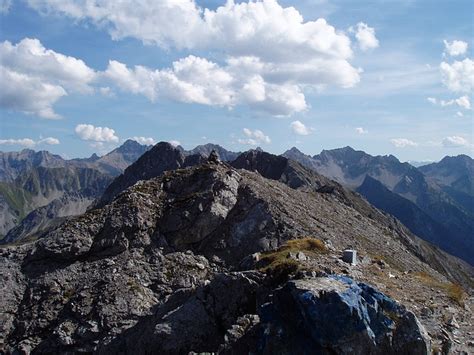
(416, 163)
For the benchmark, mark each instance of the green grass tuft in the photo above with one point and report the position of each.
(279, 267)
(454, 291)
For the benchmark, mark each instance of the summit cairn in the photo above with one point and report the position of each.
(214, 157)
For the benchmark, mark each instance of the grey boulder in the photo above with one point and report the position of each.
(336, 315)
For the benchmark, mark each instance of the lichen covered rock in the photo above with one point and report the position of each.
(335, 314)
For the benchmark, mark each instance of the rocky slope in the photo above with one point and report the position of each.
(162, 157)
(456, 177)
(42, 219)
(457, 172)
(116, 161)
(180, 254)
(350, 168)
(58, 187)
(40, 186)
(14, 164)
(409, 214)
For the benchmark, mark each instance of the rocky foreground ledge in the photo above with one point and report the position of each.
(217, 259)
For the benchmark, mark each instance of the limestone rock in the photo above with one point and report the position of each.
(337, 315)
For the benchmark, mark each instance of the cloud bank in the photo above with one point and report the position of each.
(265, 56)
(403, 143)
(33, 78)
(28, 142)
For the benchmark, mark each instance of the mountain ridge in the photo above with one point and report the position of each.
(451, 208)
(179, 253)
(345, 165)
(30, 180)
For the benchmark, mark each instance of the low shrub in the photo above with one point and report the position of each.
(279, 267)
(454, 291)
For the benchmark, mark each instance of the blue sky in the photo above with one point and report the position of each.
(370, 75)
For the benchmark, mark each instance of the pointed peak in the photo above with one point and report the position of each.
(346, 149)
(294, 150)
(129, 144)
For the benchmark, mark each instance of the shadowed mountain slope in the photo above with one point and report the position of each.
(31, 180)
(162, 157)
(350, 168)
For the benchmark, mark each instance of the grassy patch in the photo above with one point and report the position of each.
(305, 244)
(388, 260)
(278, 266)
(454, 291)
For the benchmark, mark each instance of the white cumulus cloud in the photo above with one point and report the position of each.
(21, 92)
(300, 128)
(28, 142)
(365, 36)
(144, 140)
(455, 47)
(89, 132)
(49, 141)
(254, 137)
(455, 142)
(34, 78)
(197, 80)
(458, 76)
(403, 142)
(269, 53)
(262, 28)
(462, 101)
(191, 80)
(106, 91)
(361, 130)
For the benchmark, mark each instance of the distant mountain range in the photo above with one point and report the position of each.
(435, 201)
(38, 188)
(190, 254)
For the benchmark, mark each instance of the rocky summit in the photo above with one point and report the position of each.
(220, 259)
